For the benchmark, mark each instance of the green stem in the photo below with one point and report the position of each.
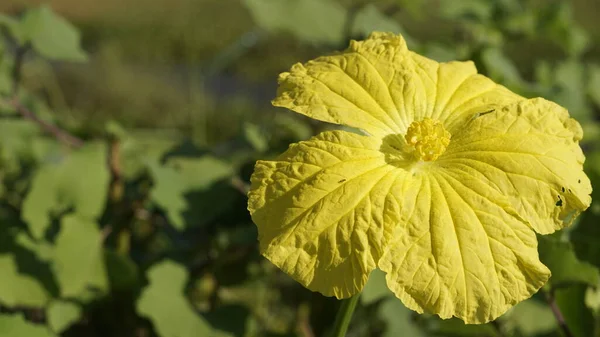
(344, 316)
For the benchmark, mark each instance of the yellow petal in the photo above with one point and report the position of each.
(530, 152)
(351, 88)
(325, 210)
(379, 86)
(456, 92)
(461, 250)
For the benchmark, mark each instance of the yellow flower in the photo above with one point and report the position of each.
(444, 193)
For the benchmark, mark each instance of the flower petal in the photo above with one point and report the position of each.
(457, 92)
(364, 87)
(325, 210)
(462, 250)
(378, 85)
(530, 152)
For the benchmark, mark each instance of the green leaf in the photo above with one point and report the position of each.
(375, 289)
(16, 139)
(18, 289)
(397, 317)
(500, 67)
(560, 258)
(531, 318)
(122, 271)
(521, 23)
(586, 232)
(115, 129)
(593, 88)
(62, 314)
(235, 319)
(578, 40)
(179, 178)
(79, 181)
(139, 148)
(16, 326)
(291, 126)
(398, 320)
(481, 10)
(543, 73)
(5, 68)
(78, 258)
(592, 299)
(585, 235)
(13, 26)
(5, 82)
(441, 53)
(369, 19)
(42, 249)
(256, 137)
(52, 36)
(312, 21)
(569, 76)
(32, 283)
(163, 302)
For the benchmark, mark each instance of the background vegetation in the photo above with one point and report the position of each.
(126, 146)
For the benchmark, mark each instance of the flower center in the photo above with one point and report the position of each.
(428, 138)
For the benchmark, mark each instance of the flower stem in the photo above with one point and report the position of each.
(558, 314)
(344, 316)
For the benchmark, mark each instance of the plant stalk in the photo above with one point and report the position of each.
(344, 316)
(558, 314)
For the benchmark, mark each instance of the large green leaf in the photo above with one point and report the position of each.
(560, 258)
(78, 258)
(180, 179)
(16, 326)
(164, 303)
(79, 181)
(313, 21)
(17, 289)
(52, 36)
(62, 314)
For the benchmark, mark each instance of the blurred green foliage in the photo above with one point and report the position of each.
(124, 170)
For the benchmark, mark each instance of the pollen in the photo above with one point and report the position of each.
(428, 138)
